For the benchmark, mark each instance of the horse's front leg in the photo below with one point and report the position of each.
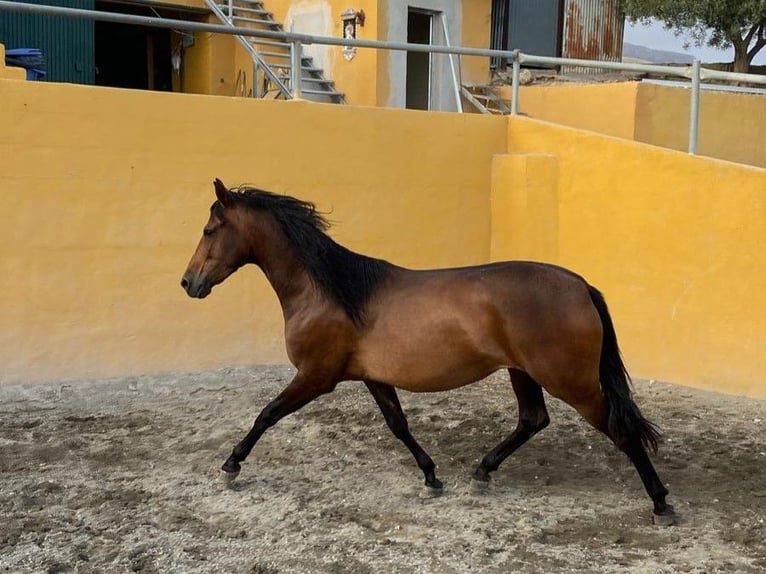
(302, 390)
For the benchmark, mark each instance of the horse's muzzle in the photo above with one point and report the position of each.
(195, 287)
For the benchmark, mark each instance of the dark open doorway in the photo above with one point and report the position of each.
(131, 56)
(419, 31)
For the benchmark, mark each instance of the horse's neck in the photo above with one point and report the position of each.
(286, 274)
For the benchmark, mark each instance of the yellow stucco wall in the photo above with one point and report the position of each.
(476, 27)
(524, 199)
(98, 229)
(604, 108)
(9, 72)
(672, 240)
(732, 125)
(212, 63)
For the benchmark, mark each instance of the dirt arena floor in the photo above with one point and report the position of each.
(122, 476)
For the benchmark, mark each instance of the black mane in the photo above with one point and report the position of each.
(347, 278)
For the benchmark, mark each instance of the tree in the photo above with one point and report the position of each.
(717, 23)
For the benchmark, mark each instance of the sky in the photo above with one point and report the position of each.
(655, 36)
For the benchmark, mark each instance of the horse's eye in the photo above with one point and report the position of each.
(207, 232)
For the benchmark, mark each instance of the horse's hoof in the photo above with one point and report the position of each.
(228, 478)
(667, 518)
(431, 492)
(479, 486)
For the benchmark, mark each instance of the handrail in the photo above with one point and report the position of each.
(304, 39)
(695, 73)
(259, 63)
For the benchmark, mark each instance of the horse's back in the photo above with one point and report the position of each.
(439, 329)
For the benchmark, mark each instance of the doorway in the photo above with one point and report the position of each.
(132, 56)
(419, 31)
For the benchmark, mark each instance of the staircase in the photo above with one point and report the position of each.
(485, 100)
(272, 58)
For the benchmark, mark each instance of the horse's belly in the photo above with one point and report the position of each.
(428, 369)
(444, 381)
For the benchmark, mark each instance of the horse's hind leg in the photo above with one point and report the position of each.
(596, 412)
(388, 402)
(533, 417)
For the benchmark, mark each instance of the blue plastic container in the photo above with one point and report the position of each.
(31, 59)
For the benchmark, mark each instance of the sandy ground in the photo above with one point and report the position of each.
(122, 476)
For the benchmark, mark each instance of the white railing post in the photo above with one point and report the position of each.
(694, 121)
(516, 84)
(295, 68)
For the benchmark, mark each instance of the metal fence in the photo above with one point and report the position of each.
(695, 72)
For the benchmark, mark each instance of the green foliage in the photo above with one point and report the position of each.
(717, 23)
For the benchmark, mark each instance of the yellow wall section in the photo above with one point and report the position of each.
(731, 125)
(210, 66)
(10, 72)
(477, 23)
(604, 108)
(674, 243)
(524, 199)
(357, 78)
(99, 229)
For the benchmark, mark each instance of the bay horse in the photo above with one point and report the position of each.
(352, 317)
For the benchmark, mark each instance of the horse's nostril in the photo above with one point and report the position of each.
(184, 283)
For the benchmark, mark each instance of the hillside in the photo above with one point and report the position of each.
(653, 56)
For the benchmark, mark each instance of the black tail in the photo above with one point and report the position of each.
(625, 419)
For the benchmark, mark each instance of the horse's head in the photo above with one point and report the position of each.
(223, 249)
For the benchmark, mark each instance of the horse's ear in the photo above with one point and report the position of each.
(222, 192)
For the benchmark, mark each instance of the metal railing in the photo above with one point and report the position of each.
(258, 62)
(695, 73)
